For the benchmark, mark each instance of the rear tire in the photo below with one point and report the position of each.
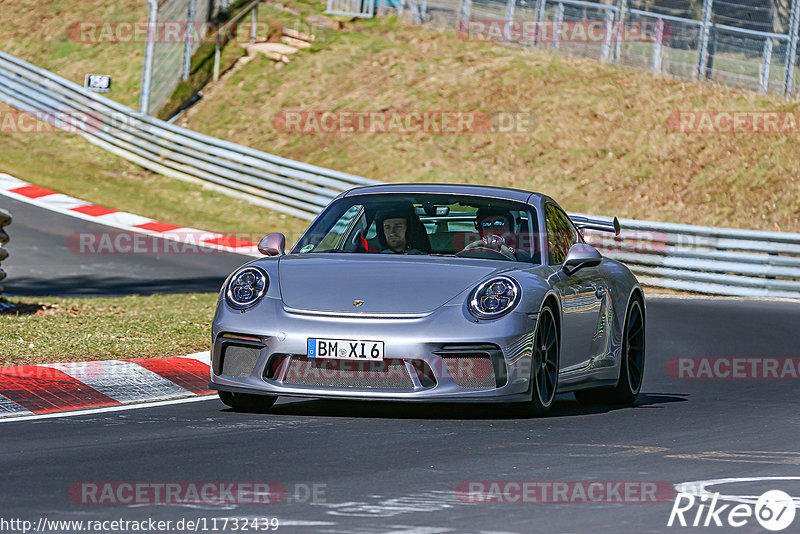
(246, 402)
(631, 372)
(544, 364)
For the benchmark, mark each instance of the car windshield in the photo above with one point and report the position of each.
(425, 224)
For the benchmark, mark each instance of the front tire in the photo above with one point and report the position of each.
(544, 364)
(631, 372)
(246, 402)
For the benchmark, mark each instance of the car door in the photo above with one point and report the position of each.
(581, 294)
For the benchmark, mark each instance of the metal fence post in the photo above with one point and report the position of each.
(655, 60)
(254, 24)
(413, 5)
(608, 32)
(463, 15)
(559, 18)
(400, 7)
(540, 8)
(188, 41)
(149, 49)
(791, 55)
(766, 59)
(622, 12)
(217, 52)
(509, 19)
(705, 30)
(423, 9)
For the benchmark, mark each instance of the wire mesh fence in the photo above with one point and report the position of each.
(748, 44)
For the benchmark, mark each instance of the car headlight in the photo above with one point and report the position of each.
(494, 297)
(246, 287)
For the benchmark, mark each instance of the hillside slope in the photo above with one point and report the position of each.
(601, 143)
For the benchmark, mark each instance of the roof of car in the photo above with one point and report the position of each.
(451, 189)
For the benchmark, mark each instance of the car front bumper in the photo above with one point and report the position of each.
(445, 356)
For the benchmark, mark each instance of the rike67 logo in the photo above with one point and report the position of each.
(774, 510)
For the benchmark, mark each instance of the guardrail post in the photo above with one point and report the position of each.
(705, 30)
(188, 41)
(791, 55)
(5, 220)
(559, 18)
(766, 59)
(655, 60)
(608, 32)
(149, 49)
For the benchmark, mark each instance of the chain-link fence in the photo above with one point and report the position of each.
(180, 29)
(749, 44)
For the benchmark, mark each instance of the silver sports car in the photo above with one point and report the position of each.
(432, 292)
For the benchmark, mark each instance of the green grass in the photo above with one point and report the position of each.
(78, 329)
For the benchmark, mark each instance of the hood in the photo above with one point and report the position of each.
(387, 283)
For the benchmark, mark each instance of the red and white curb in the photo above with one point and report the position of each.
(51, 200)
(62, 387)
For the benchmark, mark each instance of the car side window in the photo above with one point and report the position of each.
(561, 234)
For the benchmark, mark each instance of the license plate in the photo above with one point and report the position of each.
(345, 349)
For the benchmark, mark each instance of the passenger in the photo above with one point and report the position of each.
(401, 232)
(496, 227)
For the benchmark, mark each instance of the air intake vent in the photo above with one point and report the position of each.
(238, 361)
(471, 371)
(387, 374)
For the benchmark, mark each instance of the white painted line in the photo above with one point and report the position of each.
(122, 381)
(109, 409)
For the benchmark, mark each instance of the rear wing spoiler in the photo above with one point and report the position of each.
(583, 222)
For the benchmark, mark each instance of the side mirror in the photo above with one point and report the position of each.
(581, 255)
(272, 245)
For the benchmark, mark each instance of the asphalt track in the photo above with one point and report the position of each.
(395, 468)
(40, 262)
(389, 468)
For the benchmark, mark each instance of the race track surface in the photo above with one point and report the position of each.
(381, 468)
(41, 262)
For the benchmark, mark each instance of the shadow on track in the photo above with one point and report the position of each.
(565, 406)
(110, 286)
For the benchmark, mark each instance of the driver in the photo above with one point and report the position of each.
(494, 226)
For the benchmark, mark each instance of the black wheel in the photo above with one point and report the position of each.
(631, 370)
(245, 402)
(544, 363)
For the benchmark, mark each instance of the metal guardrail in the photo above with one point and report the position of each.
(722, 261)
(5, 220)
(292, 187)
(677, 256)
